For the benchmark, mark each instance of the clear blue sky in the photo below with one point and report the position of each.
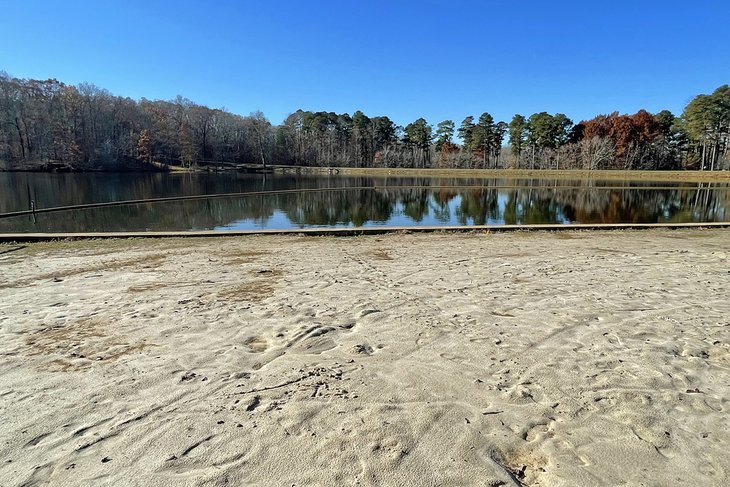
(404, 59)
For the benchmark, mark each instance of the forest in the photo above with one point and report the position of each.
(47, 124)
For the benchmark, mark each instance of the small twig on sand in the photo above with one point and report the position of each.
(12, 250)
(284, 384)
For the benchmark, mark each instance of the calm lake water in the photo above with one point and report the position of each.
(337, 201)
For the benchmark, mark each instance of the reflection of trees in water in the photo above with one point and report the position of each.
(702, 204)
(51, 190)
(478, 205)
(631, 206)
(355, 207)
(415, 204)
(178, 215)
(613, 206)
(534, 205)
(440, 204)
(528, 207)
(524, 203)
(63, 189)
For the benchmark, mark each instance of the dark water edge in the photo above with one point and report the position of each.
(347, 201)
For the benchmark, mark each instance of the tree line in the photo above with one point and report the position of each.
(47, 122)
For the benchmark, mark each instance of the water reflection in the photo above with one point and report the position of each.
(63, 189)
(388, 202)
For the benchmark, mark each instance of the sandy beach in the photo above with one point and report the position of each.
(550, 359)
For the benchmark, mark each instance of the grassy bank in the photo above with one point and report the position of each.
(686, 176)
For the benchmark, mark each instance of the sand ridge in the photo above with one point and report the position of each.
(581, 358)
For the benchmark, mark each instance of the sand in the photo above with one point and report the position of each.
(569, 358)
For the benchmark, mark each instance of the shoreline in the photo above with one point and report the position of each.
(361, 231)
(598, 174)
(523, 358)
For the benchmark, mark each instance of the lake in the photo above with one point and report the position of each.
(302, 201)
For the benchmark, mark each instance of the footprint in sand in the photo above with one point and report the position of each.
(36, 440)
(257, 344)
(368, 311)
(362, 349)
(313, 340)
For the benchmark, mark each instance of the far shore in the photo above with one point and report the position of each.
(596, 174)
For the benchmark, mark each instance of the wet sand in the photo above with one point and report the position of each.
(569, 358)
